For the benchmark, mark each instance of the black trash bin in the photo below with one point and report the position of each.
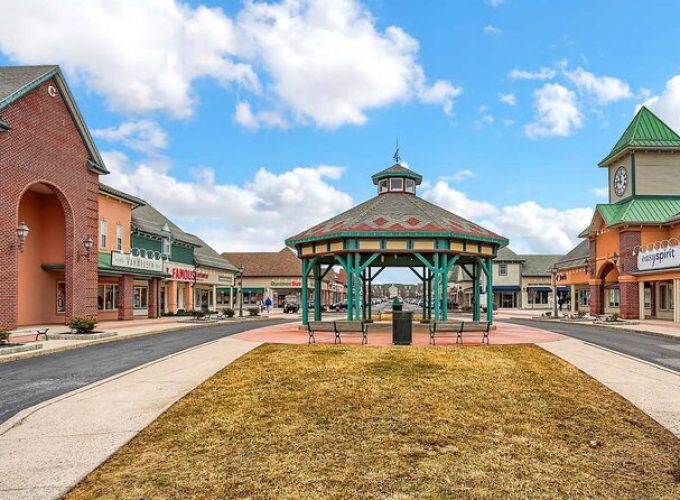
(402, 327)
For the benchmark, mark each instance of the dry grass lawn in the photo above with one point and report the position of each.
(315, 422)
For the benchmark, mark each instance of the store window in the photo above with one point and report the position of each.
(103, 229)
(140, 297)
(119, 237)
(383, 186)
(61, 297)
(614, 295)
(106, 297)
(167, 247)
(503, 269)
(666, 296)
(410, 186)
(222, 297)
(583, 298)
(538, 297)
(397, 184)
(648, 298)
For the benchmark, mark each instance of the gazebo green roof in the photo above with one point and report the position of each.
(397, 170)
(645, 131)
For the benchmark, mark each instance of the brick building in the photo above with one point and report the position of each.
(49, 188)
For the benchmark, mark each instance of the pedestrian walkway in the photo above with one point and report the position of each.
(655, 390)
(380, 334)
(49, 448)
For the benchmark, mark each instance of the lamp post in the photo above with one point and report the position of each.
(241, 270)
(22, 233)
(553, 271)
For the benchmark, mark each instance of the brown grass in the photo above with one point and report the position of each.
(348, 422)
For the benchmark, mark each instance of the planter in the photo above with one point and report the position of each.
(81, 336)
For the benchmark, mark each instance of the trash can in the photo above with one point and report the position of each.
(397, 305)
(402, 327)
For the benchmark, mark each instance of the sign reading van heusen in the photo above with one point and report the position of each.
(659, 259)
(119, 259)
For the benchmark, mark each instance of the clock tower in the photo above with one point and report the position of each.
(645, 162)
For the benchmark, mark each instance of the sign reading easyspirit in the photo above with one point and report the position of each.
(659, 259)
(119, 259)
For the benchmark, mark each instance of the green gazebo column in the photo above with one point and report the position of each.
(489, 290)
(476, 306)
(349, 272)
(437, 301)
(370, 294)
(307, 265)
(445, 295)
(357, 286)
(429, 295)
(424, 308)
(317, 292)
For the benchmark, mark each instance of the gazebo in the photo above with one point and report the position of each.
(396, 228)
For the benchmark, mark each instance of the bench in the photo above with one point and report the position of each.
(320, 326)
(459, 328)
(338, 328)
(351, 327)
(41, 332)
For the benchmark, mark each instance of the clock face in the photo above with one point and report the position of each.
(620, 181)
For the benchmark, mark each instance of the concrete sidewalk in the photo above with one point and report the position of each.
(49, 448)
(655, 390)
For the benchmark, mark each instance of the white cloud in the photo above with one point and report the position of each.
(601, 192)
(667, 104)
(324, 61)
(492, 30)
(245, 116)
(605, 89)
(542, 74)
(557, 112)
(257, 215)
(141, 55)
(509, 99)
(141, 135)
(461, 175)
(530, 227)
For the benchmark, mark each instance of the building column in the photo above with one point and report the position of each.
(630, 297)
(231, 297)
(596, 297)
(213, 306)
(573, 306)
(125, 293)
(641, 299)
(153, 298)
(676, 300)
(188, 296)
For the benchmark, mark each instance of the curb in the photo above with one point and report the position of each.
(608, 327)
(87, 343)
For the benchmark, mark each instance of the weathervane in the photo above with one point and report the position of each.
(396, 156)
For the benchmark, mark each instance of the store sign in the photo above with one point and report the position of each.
(226, 278)
(287, 283)
(120, 259)
(659, 259)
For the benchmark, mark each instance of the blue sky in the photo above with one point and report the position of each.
(247, 122)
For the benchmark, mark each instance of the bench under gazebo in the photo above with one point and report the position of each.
(396, 228)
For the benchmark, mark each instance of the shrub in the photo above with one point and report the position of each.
(4, 336)
(228, 312)
(181, 312)
(254, 311)
(83, 324)
(169, 313)
(581, 314)
(615, 317)
(548, 314)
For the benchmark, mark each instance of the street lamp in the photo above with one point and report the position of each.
(553, 271)
(241, 270)
(22, 233)
(89, 245)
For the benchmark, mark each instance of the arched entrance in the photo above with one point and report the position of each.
(41, 285)
(610, 294)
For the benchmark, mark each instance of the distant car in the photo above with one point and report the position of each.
(291, 307)
(339, 306)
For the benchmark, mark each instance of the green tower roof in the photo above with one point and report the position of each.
(397, 170)
(645, 131)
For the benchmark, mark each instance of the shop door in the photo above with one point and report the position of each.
(281, 300)
(162, 300)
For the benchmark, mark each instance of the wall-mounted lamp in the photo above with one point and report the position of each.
(22, 233)
(88, 243)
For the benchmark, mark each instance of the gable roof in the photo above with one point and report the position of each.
(110, 191)
(538, 265)
(646, 130)
(147, 219)
(576, 256)
(397, 170)
(16, 81)
(506, 255)
(640, 210)
(283, 263)
(206, 256)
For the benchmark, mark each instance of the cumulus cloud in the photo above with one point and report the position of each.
(600, 192)
(531, 228)
(509, 99)
(667, 104)
(324, 61)
(542, 74)
(605, 89)
(557, 112)
(256, 215)
(461, 175)
(145, 136)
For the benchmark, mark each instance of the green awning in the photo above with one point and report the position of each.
(252, 290)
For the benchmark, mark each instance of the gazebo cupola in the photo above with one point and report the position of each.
(397, 179)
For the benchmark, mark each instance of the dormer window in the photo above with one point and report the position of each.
(396, 184)
(410, 186)
(383, 186)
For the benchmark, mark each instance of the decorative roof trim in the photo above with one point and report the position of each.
(120, 195)
(404, 234)
(159, 237)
